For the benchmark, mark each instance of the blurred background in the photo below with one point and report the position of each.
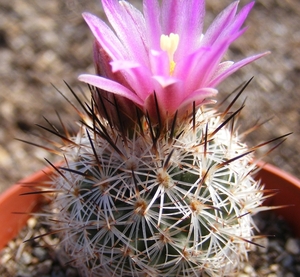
(46, 42)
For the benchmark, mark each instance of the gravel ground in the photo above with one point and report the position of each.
(46, 42)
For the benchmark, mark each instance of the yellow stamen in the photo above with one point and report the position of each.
(169, 43)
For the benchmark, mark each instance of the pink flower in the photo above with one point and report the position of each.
(161, 61)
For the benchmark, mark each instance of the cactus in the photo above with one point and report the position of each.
(157, 182)
(156, 202)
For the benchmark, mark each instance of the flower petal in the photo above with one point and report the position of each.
(168, 98)
(201, 66)
(199, 97)
(165, 81)
(152, 15)
(129, 24)
(222, 67)
(138, 77)
(160, 64)
(240, 18)
(105, 37)
(189, 68)
(185, 18)
(224, 74)
(111, 86)
(220, 24)
(227, 23)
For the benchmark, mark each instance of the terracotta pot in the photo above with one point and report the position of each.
(287, 189)
(15, 208)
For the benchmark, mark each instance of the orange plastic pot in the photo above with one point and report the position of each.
(15, 207)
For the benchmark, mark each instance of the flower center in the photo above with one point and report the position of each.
(169, 43)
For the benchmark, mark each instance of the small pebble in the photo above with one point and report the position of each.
(5, 258)
(274, 245)
(248, 269)
(31, 222)
(26, 258)
(40, 253)
(274, 267)
(288, 261)
(292, 246)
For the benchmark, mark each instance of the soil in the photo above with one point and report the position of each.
(46, 42)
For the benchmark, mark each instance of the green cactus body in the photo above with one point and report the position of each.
(173, 203)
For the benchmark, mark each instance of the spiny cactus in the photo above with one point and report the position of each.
(156, 202)
(156, 183)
